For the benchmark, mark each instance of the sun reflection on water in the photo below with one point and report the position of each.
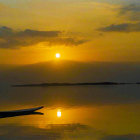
(70, 116)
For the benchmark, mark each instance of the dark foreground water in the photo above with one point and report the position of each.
(72, 113)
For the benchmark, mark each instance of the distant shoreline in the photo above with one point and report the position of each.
(73, 84)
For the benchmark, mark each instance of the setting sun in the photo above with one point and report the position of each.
(58, 113)
(58, 55)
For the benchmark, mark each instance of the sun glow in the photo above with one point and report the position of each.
(58, 113)
(58, 55)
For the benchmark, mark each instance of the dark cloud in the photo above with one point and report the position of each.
(131, 11)
(122, 137)
(130, 8)
(10, 38)
(126, 27)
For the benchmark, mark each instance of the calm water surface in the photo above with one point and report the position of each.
(72, 113)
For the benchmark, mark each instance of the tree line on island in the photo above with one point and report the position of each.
(75, 84)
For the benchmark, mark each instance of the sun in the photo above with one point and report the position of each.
(59, 113)
(57, 55)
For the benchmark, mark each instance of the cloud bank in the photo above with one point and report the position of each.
(131, 12)
(12, 39)
(125, 27)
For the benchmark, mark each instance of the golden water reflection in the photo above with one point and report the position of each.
(112, 119)
(121, 119)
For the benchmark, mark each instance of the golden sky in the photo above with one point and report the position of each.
(84, 30)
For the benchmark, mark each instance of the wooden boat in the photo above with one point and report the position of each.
(4, 114)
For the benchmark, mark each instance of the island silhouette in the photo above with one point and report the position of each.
(73, 84)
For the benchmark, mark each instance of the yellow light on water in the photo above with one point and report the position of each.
(58, 113)
(58, 55)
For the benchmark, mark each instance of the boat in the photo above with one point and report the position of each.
(31, 111)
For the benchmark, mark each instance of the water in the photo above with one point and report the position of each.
(87, 113)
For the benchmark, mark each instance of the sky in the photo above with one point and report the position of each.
(33, 31)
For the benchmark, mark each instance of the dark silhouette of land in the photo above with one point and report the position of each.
(72, 84)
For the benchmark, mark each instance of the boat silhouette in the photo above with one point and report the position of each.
(14, 113)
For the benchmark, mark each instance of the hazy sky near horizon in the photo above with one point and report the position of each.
(83, 30)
